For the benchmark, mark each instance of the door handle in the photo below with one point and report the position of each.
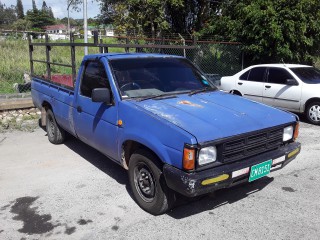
(240, 83)
(79, 109)
(267, 86)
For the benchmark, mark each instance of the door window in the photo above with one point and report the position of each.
(257, 74)
(245, 75)
(278, 75)
(94, 77)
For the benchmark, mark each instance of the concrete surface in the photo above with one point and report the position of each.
(15, 101)
(71, 191)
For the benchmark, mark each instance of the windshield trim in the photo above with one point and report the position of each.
(195, 67)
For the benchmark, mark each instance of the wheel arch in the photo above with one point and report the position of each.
(315, 99)
(129, 147)
(235, 92)
(44, 107)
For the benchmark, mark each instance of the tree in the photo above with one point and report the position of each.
(19, 7)
(22, 25)
(50, 13)
(179, 16)
(191, 16)
(39, 19)
(7, 15)
(72, 21)
(44, 7)
(138, 16)
(34, 6)
(271, 30)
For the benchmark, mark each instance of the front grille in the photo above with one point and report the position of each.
(243, 147)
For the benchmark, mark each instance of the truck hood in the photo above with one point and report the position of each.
(215, 115)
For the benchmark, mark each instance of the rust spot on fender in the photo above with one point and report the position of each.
(184, 102)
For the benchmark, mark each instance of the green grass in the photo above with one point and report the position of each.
(14, 55)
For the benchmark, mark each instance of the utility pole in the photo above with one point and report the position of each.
(68, 16)
(85, 26)
(184, 43)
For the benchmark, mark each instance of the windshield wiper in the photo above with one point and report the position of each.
(157, 96)
(205, 89)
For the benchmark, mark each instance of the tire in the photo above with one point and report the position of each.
(313, 113)
(151, 192)
(235, 92)
(56, 134)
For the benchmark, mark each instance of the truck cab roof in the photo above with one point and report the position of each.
(128, 55)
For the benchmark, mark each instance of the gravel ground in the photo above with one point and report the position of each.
(71, 191)
(22, 119)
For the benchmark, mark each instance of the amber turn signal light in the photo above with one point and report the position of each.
(296, 131)
(189, 158)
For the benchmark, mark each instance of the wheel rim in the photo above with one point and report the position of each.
(50, 127)
(144, 182)
(314, 113)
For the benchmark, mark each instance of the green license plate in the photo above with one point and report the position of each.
(260, 170)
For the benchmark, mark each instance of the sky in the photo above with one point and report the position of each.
(59, 7)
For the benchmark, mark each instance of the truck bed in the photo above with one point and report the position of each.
(59, 94)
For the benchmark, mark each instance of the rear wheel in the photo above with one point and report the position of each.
(56, 134)
(148, 184)
(313, 112)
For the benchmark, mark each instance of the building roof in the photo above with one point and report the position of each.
(56, 27)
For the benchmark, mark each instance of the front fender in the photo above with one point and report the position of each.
(165, 153)
(165, 139)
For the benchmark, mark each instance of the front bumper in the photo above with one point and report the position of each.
(190, 184)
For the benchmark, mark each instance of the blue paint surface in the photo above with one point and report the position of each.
(210, 116)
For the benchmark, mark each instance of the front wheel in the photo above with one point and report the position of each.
(56, 134)
(313, 113)
(147, 183)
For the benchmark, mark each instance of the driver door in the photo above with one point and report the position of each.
(96, 121)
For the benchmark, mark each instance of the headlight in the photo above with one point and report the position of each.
(207, 155)
(287, 133)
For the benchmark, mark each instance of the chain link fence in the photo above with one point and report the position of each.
(215, 59)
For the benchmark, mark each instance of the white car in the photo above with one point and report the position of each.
(292, 87)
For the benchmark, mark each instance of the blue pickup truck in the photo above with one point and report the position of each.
(160, 118)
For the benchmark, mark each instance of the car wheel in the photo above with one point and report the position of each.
(313, 113)
(56, 134)
(235, 92)
(147, 183)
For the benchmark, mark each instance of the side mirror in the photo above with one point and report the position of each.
(101, 95)
(291, 82)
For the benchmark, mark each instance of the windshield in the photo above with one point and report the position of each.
(307, 74)
(152, 76)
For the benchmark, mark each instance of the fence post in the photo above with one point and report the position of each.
(127, 42)
(162, 43)
(195, 58)
(95, 37)
(48, 49)
(73, 57)
(101, 48)
(30, 54)
(242, 59)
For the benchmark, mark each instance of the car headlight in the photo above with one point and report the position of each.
(287, 133)
(207, 155)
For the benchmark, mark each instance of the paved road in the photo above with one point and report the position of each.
(71, 191)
